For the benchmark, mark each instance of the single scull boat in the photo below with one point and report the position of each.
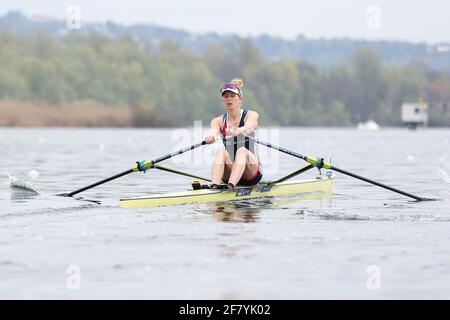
(318, 188)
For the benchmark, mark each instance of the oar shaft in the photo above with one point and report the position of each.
(99, 183)
(293, 174)
(316, 161)
(181, 173)
(148, 165)
(170, 155)
(269, 145)
(377, 183)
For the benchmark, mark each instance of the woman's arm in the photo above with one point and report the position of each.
(213, 132)
(251, 123)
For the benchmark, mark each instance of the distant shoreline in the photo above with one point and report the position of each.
(89, 114)
(77, 114)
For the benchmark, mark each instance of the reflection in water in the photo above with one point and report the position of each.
(17, 195)
(20, 195)
(234, 212)
(88, 200)
(248, 210)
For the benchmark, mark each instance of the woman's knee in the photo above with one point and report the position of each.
(245, 155)
(242, 154)
(242, 151)
(222, 155)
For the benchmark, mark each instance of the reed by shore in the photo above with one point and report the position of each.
(76, 114)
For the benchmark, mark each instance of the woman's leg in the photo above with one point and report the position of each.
(245, 166)
(222, 166)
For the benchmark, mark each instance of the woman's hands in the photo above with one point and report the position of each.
(233, 132)
(230, 132)
(210, 139)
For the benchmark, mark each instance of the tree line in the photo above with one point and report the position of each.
(175, 86)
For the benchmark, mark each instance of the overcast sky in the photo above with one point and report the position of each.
(410, 20)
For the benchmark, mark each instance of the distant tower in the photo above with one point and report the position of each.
(415, 114)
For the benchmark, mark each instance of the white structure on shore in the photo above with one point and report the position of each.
(415, 114)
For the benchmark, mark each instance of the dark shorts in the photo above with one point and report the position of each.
(252, 181)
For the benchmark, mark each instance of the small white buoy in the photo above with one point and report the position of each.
(33, 174)
(101, 147)
(410, 158)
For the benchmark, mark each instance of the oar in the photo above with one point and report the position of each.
(293, 174)
(181, 173)
(318, 162)
(140, 166)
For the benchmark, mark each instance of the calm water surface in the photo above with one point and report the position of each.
(365, 242)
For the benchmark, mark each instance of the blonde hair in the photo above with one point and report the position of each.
(238, 83)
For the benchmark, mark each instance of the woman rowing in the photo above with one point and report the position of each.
(237, 163)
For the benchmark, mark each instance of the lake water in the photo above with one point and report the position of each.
(365, 242)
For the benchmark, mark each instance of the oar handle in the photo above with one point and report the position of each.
(139, 167)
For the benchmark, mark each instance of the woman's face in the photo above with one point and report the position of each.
(231, 100)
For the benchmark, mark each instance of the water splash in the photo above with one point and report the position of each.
(444, 175)
(444, 171)
(33, 175)
(21, 185)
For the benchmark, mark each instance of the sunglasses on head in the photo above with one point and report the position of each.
(230, 86)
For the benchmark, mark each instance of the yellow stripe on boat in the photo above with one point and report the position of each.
(310, 189)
